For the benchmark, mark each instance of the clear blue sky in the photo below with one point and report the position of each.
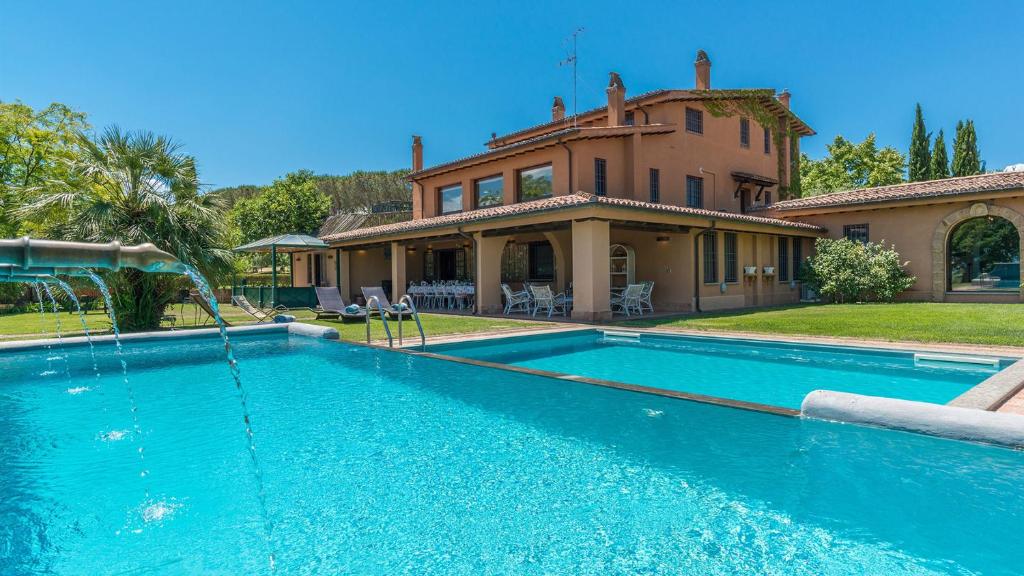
(258, 89)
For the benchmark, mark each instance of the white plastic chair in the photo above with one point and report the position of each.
(629, 300)
(515, 300)
(546, 299)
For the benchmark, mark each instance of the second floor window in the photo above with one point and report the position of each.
(600, 177)
(694, 121)
(490, 191)
(856, 232)
(745, 132)
(450, 198)
(630, 118)
(710, 257)
(694, 192)
(767, 141)
(732, 261)
(783, 270)
(534, 183)
(655, 185)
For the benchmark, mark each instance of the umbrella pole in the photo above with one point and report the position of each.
(273, 276)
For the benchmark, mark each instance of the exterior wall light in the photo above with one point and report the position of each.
(663, 239)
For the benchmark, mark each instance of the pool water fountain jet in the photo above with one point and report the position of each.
(42, 326)
(204, 288)
(60, 339)
(132, 405)
(81, 318)
(27, 259)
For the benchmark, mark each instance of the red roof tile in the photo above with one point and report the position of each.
(994, 182)
(547, 205)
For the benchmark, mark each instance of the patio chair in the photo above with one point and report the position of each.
(645, 296)
(515, 300)
(260, 316)
(544, 298)
(628, 300)
(392, 312)
(197, 297)
(333, 306)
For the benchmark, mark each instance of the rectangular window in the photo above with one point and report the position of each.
(600, 177)
(767, 141)
(798, 257)
(534, 183)
(694, 192)
(732, 261)
(745, 132)
(710, 257)
(655, 185)
(541, 261)
(783, 270)
(490, 191)
(450, 198)
(629, 118)
(694, 121)
(856, 232)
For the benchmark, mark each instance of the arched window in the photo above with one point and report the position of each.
(983, 254)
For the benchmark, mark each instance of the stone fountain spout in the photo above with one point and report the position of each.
(28, 258)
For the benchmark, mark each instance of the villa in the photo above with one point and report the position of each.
(688, 189)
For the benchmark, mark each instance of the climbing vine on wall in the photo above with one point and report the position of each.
(752, 104)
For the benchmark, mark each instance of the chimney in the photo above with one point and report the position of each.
(557, 109)
(703, 68)
(417, 153)
(784, 98)
(616, 100)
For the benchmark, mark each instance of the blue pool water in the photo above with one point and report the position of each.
(772, 373)
(377, 462)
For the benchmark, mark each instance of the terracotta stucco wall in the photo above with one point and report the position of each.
(912, 231)
(629, 160)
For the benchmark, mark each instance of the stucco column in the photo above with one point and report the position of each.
(398, 281)
(637, 170)
(488, 272)
(344, 275)
(590, 270)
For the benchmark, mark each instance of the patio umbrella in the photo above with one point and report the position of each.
(286, 243)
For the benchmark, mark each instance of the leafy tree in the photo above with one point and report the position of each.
(231, 195)
(359, 191)
(136, 187)
(848, 166)
(848, 271)
(966, 157)
(35, 147)
(919, 160)
(292, 204)
(940, 163)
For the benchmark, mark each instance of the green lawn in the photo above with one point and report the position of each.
(30, 325)
(993, 324)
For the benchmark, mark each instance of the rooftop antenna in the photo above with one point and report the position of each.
(572, 60)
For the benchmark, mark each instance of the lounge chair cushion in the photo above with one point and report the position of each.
(283, 318)
(352, 309)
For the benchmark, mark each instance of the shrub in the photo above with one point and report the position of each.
(848, 271)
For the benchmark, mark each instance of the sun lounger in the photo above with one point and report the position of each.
(392, 312)
(333, 306)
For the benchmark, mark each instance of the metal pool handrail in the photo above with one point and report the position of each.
(383, 318)
(415, 315)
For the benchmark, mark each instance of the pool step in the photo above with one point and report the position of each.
(956, 359)
(614, 336)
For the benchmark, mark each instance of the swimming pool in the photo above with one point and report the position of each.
(377, 462)
(762, 372)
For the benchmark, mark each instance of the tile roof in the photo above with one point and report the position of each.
(670, 95)
(994, 182)
(550, 204)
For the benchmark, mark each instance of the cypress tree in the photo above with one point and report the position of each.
(966, 158)
(919, 159)
(940, 163)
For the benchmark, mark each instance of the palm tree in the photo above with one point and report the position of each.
(136, 187)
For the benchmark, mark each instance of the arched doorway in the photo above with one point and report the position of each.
(983, 254)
